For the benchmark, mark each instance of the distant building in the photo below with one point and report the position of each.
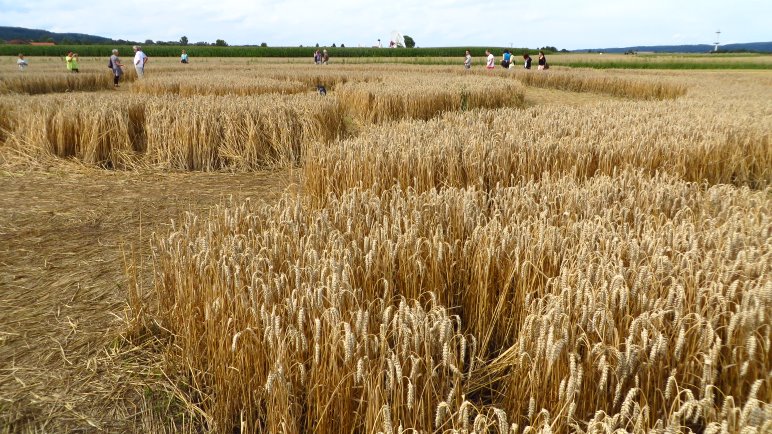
(23, 42)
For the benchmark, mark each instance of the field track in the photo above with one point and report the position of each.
(63, 236)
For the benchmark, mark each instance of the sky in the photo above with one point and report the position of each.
(431, 23)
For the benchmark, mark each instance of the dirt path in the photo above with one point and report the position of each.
(63, 234)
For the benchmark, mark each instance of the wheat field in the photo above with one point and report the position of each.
(458, 251)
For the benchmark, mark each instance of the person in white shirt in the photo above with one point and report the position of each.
(21, 62)
(140, 59)
(490, 60)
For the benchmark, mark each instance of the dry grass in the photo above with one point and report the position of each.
(91, 129)
(485, 148)
(60, 82)
(410, 97)
(596, 82)
(650, 58)
(217, 84)
(209, 133)
(233, 133)
(295, 310)
(67, 361)
(7, 119)
(547, 269)
(201, 133)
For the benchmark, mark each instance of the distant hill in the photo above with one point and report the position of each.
(761, 47)
(11, 33)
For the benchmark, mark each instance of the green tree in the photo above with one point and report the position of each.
(263, 44)
(184, 41)
(220, 43)
(148, 42)
(409, 42)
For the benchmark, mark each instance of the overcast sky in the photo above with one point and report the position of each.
(432, 23)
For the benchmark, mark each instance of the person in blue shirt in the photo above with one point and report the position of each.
(184, 57)
(506, 59)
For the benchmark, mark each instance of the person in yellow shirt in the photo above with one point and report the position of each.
(72, 62)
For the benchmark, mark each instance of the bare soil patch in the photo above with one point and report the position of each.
(64, 235)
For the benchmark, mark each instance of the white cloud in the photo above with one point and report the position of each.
(561, 23)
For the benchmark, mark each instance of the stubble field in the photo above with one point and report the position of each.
(219, 248)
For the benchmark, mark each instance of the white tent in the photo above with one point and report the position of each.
(397, 40)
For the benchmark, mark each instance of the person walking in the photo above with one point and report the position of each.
(21, 62)
(325, 57)
(526, 61)
(542, 61)
(317, 57)
(140, 59)
(490, 61)
(116, 65)
(468, 60)
(506, 58)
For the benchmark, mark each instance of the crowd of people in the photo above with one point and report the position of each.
(507, 60)
(114, 64)
(140, 59)
(320, 58)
